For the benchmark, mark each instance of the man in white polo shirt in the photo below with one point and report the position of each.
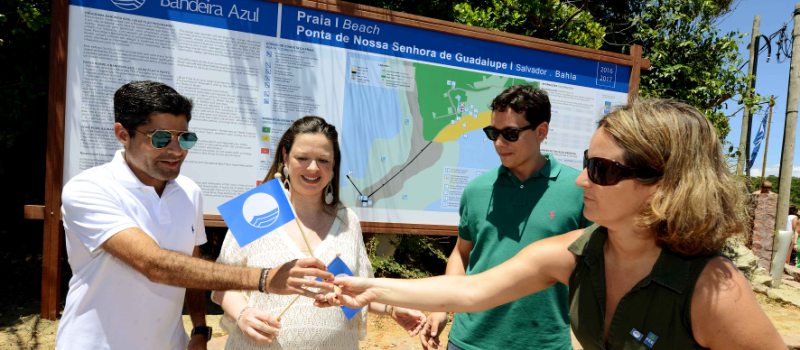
(133, 227)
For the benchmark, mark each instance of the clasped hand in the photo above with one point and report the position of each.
(292, 278)
(353, 292)
(357, 292)
(257, 325)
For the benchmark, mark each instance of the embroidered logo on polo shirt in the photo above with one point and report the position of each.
(636, 334)
(552, 215)
(650, 340)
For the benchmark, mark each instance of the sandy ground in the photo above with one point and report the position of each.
(31, 332)
(382, 333)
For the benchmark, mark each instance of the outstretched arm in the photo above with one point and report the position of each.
(722, 299)
(138, 250)
(535, 268)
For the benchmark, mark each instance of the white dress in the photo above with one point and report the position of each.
(303, 326)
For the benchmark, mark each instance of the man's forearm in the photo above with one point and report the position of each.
(189, 272)
(134, 247)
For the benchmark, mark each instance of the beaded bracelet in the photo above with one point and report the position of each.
(262, 281)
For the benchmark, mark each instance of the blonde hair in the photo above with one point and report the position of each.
(698, 203)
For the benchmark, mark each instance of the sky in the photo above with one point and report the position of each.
(772, 78)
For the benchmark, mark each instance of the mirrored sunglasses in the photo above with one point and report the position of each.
(607, 172)
(510, 134)
(160, 138)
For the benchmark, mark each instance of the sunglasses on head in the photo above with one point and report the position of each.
(606, 172)
(160, 138)
(510, 134)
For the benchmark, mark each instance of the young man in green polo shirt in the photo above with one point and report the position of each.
(529, 197)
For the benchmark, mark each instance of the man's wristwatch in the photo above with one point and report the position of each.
(202, 330)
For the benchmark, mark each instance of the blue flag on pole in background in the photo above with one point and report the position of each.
(338, 268)
(257, 212)
(760, 135)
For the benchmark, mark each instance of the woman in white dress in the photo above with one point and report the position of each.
(307, 160)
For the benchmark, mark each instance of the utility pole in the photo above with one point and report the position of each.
(766, 141)
(787, 155)
(744, 139)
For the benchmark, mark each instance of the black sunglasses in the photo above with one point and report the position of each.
(510, 134)
(160, 138)
(607, 172)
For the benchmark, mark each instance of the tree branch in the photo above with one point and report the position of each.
(580, 9)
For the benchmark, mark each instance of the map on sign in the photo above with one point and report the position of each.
(420, 138)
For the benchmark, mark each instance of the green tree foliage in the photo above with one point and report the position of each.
(691, 59)
(551, 19)
(415, 256)
(24, 57)
(442, 8)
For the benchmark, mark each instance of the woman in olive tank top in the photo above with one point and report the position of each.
(647, 275)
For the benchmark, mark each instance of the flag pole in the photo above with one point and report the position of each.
(278, 175)
(766, 141)
(310, 252)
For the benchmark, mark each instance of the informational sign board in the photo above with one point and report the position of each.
(409, 103)
(409, 95)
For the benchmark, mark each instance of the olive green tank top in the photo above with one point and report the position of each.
(654, 314)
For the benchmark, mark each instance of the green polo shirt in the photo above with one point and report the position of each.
(501, 215)
(654, 314)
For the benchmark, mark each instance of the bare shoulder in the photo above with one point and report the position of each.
(570, 237)
(722, 298)
(555, 247)
(719, 285)
(557, 244)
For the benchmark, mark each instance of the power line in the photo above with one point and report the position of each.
(783, 43)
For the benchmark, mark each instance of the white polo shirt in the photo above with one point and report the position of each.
(109, 304)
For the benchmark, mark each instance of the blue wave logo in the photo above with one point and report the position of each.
(261, 210)
(128, 5)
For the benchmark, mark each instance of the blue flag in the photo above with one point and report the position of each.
(760, 135)
(338, 268)
(257, 212)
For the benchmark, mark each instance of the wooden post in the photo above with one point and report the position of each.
(53, 231)
(766, 141)
(636, 67)
(790, 128)
(747, 117)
